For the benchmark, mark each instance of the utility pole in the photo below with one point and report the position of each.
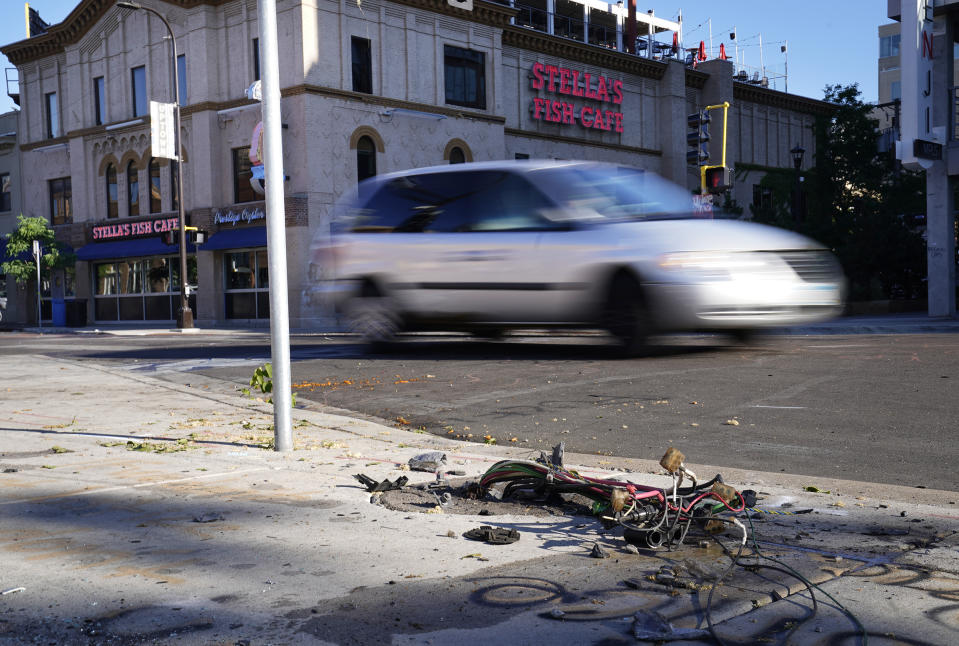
(275, 226)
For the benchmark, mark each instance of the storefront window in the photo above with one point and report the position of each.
(142, 289)
(246, 277)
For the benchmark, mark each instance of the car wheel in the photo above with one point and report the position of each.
(373, 317)
(627, 317)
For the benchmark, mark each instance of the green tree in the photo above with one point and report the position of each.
(859, 202)
(21, 241)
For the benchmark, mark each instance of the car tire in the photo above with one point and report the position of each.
(626, 315)
(373, 317)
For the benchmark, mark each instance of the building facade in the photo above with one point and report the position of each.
(366, 88)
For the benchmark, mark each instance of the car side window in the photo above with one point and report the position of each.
(454, 202)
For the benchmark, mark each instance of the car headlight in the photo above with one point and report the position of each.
(712, 265)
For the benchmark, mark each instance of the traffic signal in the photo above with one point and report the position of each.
(697, 138)
(717, 179)
(170, 237)
(196, 236)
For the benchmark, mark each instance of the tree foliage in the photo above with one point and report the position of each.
(858, 201)
(21, 243)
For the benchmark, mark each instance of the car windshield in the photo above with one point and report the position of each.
(598, 193)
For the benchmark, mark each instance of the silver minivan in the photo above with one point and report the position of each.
(494, 246)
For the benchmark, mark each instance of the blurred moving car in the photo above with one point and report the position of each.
(494, 246)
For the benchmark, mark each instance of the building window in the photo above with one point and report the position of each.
(5, 201)
(256, 59)
(242, 190)
(133, 190)
(175, 185)
(99, 101)
(247, 284)
(181, 78)
(457, 156)
(362, 65)
(141, 289)
(156, 204)
(762, 198)
(365, 158)
(465, 77)
(53, 115)
(521, 156)
(61, 201)
(138, 82)
(112, 208)
(889, 45)
(895, 91)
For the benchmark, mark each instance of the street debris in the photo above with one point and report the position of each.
(492, 535)
(649, 625)
(432, 461)
(210, 517)
(384, 485)
(12, 590)
(598, 552)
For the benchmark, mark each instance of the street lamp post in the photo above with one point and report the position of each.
(797, 154)
(185, 314)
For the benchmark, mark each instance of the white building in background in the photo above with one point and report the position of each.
(366, 88)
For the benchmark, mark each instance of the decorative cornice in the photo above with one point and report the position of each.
(372, 99)
(536, 41)
(74, 27)
(578, 141)
(777, 99)
(487, 13)
(43, 143)
(696, 79)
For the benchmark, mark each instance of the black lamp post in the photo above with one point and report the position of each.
(797, 154)
(185, 314)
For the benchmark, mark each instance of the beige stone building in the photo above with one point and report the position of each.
(367, 87)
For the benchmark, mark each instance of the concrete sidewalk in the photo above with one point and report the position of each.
(139, 511)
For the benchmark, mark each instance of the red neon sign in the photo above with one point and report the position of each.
(575, 83)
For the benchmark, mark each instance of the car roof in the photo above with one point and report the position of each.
(518, 165)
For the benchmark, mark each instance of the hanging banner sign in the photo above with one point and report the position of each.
(162, 130)
(574, 84)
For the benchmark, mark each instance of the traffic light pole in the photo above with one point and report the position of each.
(724, 106)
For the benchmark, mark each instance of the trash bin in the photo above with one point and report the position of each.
(58, 312)
(76, 313)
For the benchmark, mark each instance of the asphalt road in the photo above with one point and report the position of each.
(876, 408)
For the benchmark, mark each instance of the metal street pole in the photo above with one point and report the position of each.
(275, 226)
(185, 314)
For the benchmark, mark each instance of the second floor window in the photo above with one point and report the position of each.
(133, 190)
(362, 65)
(155, 196)
(242, 190)
(53, 115)
(61, 201)
(112, 209)
(138, 84)
(5, 201)
(99, 101)
(465, 77)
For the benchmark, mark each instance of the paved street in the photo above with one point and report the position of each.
(864, 407)
(139, 510)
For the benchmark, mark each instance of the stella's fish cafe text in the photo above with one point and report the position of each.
(574, 83)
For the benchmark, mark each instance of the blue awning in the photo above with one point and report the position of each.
(239, 238)
(129, 248)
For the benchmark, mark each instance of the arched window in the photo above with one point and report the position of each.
(156, 204)
(457, 156)
(175, 184)
(133, 190)
(365, 158)
(112, 209)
